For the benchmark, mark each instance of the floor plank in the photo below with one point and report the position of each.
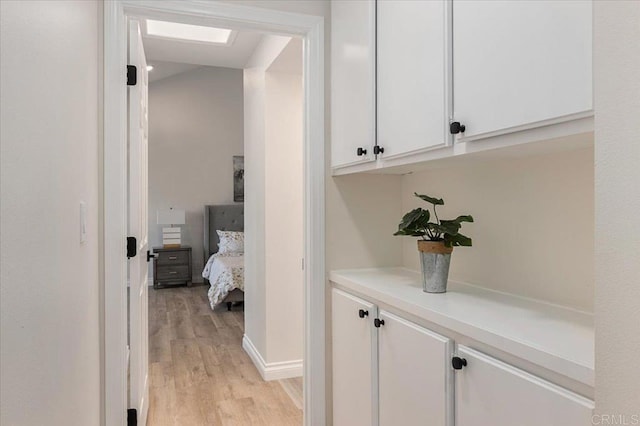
(200, 375)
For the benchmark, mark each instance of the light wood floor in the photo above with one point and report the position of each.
(199, 373)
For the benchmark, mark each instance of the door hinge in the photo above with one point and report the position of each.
(132, 247)
(132, 417)
(132, 75)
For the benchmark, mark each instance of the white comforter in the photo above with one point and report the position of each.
(225, 272)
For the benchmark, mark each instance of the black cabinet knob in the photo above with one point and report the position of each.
(361, 152)
(362, 313)
(456, 128)
(378, 322)
(150, 255)
(457, 363)
(378, 150)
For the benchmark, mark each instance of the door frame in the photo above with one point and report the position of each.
(114, 191)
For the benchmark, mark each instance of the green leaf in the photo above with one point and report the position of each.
(413, 223)
(411, 217)
(432, 200)
(466, 218)
(457, 240)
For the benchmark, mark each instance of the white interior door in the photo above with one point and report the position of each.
(138, 228)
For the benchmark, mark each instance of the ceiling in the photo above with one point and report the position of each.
(198, 53)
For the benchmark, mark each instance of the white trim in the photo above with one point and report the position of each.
(311, 28)
(271, 370)
(144, 402)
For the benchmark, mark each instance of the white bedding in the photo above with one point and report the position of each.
(225, 272)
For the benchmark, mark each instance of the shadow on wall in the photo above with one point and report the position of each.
(367, 211)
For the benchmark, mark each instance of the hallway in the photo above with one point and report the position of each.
(200, 375)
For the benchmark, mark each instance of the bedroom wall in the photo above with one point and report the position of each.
(195, 128)
(50, 339)
(533, 230)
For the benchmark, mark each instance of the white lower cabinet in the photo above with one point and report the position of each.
(490, 392)
(389, 371)
(354, 355)
(414, 376)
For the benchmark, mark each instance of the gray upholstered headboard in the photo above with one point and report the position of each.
(221, 218)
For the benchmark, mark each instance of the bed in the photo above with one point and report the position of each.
(223, 272)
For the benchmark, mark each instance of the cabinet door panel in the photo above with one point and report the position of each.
(352, 81)
(520, 62)
(414, 377)
(354, 343)
(411, 58)
(490, 392)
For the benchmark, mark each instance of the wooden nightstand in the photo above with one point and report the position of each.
(171, 266)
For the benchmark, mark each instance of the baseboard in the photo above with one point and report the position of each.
(273, 370)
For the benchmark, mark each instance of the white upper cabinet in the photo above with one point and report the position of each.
(520, 64)
(354, 342)
(414, 374)
(411, 76)
(490, 392)
(352, 81)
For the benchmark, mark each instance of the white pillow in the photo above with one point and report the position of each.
(230, 242)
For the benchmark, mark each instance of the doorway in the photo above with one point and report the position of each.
(310, 28)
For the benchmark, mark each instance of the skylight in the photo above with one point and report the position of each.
(188, 32)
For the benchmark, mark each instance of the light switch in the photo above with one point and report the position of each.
(83, 222)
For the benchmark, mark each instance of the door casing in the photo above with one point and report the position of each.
(114, 189)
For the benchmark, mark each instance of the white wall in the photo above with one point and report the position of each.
(254, 271)
(533, 230)
(49, 293)
(617, 203)
(273, 142)
(284, 212)
(195, 128)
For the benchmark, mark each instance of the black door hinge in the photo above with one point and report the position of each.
(132, 247)
(132, 75)
(132, 417)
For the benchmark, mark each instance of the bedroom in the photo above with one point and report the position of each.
(225, 305)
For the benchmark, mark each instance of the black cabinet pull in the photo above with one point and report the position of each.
(457, 363)
(378, 322)
(150, 255)
(378, 150)
(455, 128)
(362, 313)
(361, 152)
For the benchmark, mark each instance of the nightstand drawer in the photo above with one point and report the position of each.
(177, 257)
(175, 272)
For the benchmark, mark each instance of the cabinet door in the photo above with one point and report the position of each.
(414, 374)
(354, 343)
(411, 56)
(490, 392)
(352, 81)
(520, 64)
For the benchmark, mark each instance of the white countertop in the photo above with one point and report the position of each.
(553, 337)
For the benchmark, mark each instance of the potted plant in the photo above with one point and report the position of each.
(438, 238)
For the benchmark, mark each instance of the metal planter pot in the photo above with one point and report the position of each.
(435, 258)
